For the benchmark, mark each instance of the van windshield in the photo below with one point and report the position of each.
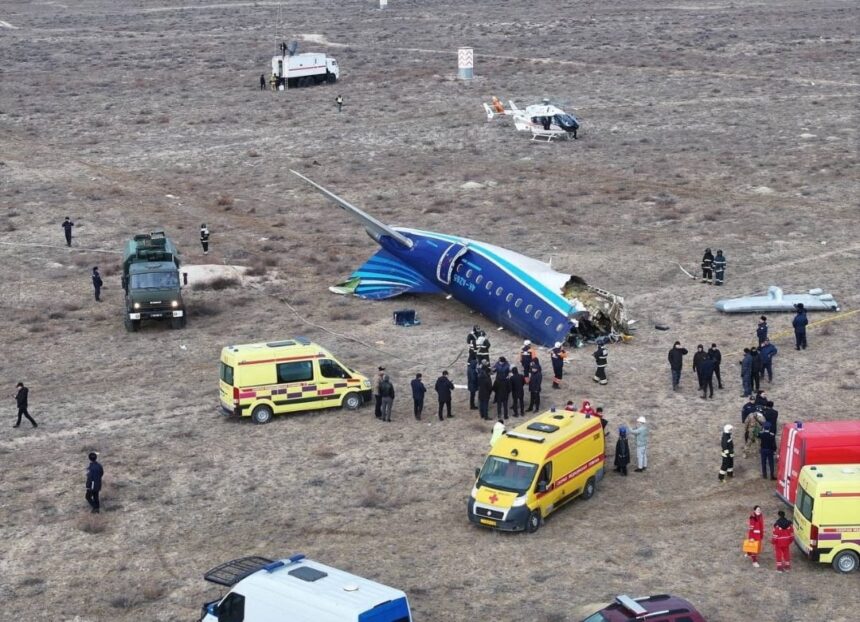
(155, 280)
(505, 474)
(805, 503)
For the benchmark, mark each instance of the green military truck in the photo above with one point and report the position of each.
(150, 278)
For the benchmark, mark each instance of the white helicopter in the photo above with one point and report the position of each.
(545, 121)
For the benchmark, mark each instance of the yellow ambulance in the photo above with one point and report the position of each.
(827, 515)
(259, 380)
(536, 468)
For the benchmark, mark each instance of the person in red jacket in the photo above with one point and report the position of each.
(755, 531)
(783, 536)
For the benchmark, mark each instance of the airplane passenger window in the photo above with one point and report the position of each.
(518, 303)
(479, 278)
(529, 308)
(459, 268)
(499, 291)
(509, 297)
(489, 285)
(559, 328)
(538, 313)
(548, 320)
(469, 273)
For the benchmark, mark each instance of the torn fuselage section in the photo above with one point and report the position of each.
(598, 313)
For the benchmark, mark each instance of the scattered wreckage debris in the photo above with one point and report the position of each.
(775, 301)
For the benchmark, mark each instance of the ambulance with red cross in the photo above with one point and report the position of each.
(260, 380)
(536, 468)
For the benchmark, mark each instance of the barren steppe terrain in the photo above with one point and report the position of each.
(708, 123)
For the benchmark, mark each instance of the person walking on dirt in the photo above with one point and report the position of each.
(21, 395)
(767, 437)
(706, 377)
(622, 452)
(757, 369)
(339, 101)
(273, 82)
(204, 238)
(472, 382)
(761, 330)
(719, 268)
(67, 230)
(443, 387)
(782, 537)
(600, 357)
(640, 432)
(97, 283)
(95, 473)
(707, 266)
(715, 355)
(377, 392)
(501, 389)
(535, 379)
(557, 356)
(727, 445)
(676, 362)
(418, 391)
(799, 323)
(386, 390)
(755, 531)
(485, 389)
(262, 82)
(517, 382)
(698, 357)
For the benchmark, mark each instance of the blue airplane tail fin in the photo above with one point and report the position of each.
(385, 276)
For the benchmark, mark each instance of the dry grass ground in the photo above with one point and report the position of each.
(717, 124)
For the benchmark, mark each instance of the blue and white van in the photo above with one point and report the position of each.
(299, 590)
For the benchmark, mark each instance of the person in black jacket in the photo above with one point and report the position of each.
(517, 383)
(418, 391)
(485, 389)
(204, 238)
(715, 355)
(676, 362)
(768, 448)
(21, 395)
(97, 283)
(761, 330)
(622, 452)
(443, 387)
(799, 323)
(501, 388)
(386, 391)
(727, 447)
(535, 379)
(705, 372)
(770, 415)
(67, 230)
(95, 472)
(600, 356)
(472, 382)
(757, 368)
(707, 266)
(698, 357)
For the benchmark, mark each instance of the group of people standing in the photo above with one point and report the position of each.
(782, 535)
(713, 267)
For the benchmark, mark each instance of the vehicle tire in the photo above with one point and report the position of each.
(132, 326)
(306, 81)
(590, 487)
(352, 401)
(846, 562)
(177, 322)
(331, 78)
(533, 521)
(262, 414)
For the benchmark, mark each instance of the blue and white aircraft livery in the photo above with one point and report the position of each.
(517, 292)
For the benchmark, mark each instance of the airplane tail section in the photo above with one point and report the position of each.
(384, 276)
(374, 227)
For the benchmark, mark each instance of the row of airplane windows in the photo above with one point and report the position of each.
(500, 290)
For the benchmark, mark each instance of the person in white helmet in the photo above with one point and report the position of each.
(640, 433)
(526, 358)
(557, 356)
(727, 445)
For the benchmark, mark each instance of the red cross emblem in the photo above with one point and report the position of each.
(493, 498)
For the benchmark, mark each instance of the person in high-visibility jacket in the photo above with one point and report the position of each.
(557, 356)
(783, 536)
(273, 82)
(727, 467)
(755, 531)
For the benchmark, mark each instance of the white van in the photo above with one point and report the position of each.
(299, 590)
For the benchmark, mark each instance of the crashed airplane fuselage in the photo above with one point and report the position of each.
(522, 294)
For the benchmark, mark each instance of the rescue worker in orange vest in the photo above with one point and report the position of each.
(783, 536)
(498, 106)
(557, 356)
